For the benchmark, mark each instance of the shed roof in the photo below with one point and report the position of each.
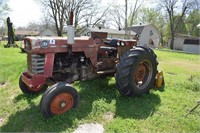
(198, 26)
(138, 28)
(24, 32)
(110, 31)
(186, 36)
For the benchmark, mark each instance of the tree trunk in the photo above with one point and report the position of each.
(172, 32)
(59, 33)
(172, 42)
(126, 23)
(161, 39)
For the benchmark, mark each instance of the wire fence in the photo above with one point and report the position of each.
(180, 66)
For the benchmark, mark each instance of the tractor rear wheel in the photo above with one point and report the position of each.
(136, 71)
(58, 99)
(34, 90)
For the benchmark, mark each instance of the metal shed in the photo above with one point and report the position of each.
(148, 35)
(192, 45)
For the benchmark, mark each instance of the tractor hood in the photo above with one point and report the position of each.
(54, 44)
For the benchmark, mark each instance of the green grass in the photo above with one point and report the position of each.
(159, 111)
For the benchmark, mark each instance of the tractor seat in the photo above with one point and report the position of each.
(112, 43)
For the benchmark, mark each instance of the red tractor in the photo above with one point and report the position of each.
(56, 63)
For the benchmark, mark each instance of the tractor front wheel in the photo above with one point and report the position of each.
(136, 71)
(58, 99)
(26, 89)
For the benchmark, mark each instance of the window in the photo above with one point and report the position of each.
(192, 41)
(151, 33)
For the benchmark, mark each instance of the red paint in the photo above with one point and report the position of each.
(33, 81)
(48, 66)
(59, 45)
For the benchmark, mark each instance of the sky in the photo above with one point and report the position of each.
(25, 11)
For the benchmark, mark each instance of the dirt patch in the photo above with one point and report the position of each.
(1, 120)
(90, 128)
(171, 73)
(3, 84)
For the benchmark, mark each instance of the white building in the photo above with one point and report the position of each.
(111, 33)
(191, 46)
(47, 32)
(198, 26)
(20, 34)
(148, 35)
(186, 43)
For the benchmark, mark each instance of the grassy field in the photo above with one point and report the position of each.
(159, 111)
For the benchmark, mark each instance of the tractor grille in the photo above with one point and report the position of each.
(36, 63)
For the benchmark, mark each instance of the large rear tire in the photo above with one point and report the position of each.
(34, 90)
(58, 99)
(136, 71)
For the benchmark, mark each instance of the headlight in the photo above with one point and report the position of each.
(122, 44)
(118, 43)
(44, 44)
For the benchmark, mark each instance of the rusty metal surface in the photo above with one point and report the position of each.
(33, 81)
(59, 45)
(48, 47)
(128, 45)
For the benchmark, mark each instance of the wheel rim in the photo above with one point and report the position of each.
(61, 103)
(143, 74)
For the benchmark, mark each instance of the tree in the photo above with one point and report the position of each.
(117, 17)
(126, 18)
(154, 17)
(3, 31)
(133, 11)
(4, 9)
(86, 11)
(34, 26)
(59, 11)
(150, 15)
(95, 16)
(172, 7)
(56, 10)
(192, 21)
(181, 28)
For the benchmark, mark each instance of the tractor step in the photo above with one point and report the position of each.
(106, 72)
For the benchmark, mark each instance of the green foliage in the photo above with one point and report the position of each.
(4, 9)
(192, 21)
(152, 16)
(147, 15)
(167, 32)
(159, 111)
(181, 29)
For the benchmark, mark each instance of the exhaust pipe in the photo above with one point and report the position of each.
(70, 34)
(70, 30)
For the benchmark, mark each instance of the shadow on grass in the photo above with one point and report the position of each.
(31, 120)
(137, 108)
(26, 97)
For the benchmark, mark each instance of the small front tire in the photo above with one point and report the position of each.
(58, 99)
